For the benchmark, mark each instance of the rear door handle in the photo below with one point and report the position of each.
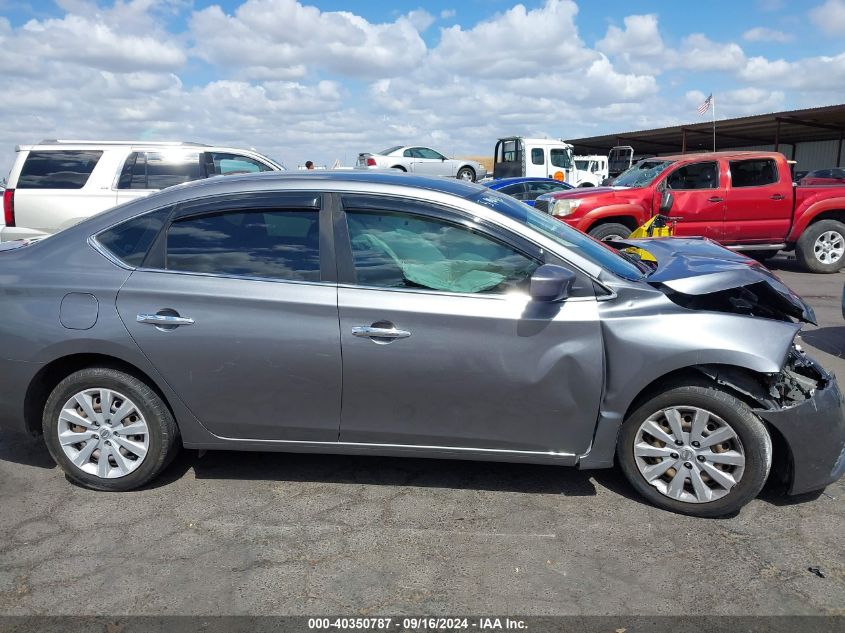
(714, 199)
(778, 196)
(164, 319)
(368, 331)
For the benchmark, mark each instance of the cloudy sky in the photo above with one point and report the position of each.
(325, 80)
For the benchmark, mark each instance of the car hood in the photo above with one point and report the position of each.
(699, 273)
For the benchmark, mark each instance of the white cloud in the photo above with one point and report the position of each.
(830, 17)
(765, 34)
(445, 14)
(812, 74)
(698, 52)
(267, 37)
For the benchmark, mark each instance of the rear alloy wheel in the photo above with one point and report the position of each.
(466, 173)
(696, 450)
(821, 247)
(108, 430)
(610, 231)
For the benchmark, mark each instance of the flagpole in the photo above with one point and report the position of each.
(714, 122)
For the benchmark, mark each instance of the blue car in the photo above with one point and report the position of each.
(527, 188)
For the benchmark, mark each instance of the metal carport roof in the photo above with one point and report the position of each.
(778, 129)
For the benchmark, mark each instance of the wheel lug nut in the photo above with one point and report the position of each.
(696, 444)
(679, 442)
(674, 456)
(687, 465)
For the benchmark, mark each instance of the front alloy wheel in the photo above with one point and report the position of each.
(695, 449)
(689, 454)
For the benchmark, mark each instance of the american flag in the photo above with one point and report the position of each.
(704, 107)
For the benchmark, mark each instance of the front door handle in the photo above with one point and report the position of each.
(165, 320)
(714, 199)
(369, 331)
(778, 196)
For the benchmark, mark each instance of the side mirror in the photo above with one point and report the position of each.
(551, 283)
(666, 202)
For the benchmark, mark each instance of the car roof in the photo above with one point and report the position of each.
(326, 179)
(716, 155)
(59, 144)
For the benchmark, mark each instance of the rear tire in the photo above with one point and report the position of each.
(126, 434)
(821, 247)
(609, 231)
(702, 480)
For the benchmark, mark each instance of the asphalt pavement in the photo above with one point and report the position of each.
(263, 533)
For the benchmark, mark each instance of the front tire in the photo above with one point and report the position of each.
(466, 173)
(108, 430)
(610, 231)
(821, 247)
(695, 450)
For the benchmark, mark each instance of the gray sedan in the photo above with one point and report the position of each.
(377, 313)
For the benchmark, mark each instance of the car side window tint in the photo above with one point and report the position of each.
(274, 244)
(408, 153)
(130, 241)
(403, 250)
(538, 156)
(425, 152)
(753, 173)
(57, 169)
(695, 176)
(224, 164)
(158, 170)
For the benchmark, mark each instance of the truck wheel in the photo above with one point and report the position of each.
(821, 247)
(586, 184)
(696, 450)
(466, 173)
(610, 231)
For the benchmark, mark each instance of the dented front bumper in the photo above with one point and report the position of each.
(814, 429)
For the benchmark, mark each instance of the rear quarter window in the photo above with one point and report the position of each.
(58, 169)
(131, 240)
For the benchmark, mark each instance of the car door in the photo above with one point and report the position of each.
(759, 202)
(442, 346)
(699, 192)
(236, 306)
(430, 163)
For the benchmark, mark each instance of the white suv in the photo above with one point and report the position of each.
(55, 184)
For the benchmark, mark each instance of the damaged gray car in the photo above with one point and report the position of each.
(389, 314)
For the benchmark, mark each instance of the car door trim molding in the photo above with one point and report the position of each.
(567, 458)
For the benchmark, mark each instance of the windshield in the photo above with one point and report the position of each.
(573, 239)
(642, 174)
(390, 150)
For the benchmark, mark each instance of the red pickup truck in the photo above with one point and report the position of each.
(744, 200)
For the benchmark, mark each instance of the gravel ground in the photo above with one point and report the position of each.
(249, 533)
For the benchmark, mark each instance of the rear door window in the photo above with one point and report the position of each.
(538, 157)
(158, 170)
(58, 169)
(273, 244)
(753, 173)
